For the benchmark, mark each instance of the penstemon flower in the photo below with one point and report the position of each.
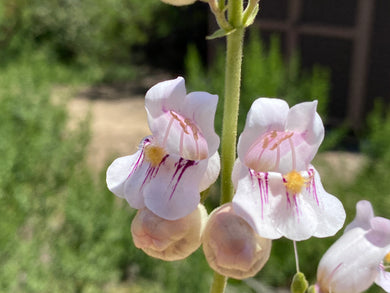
(178, 160)
(354, 262)
(278, 192)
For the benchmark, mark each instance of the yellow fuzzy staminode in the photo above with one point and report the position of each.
(154, 154)
(294, 182)
(387, 258)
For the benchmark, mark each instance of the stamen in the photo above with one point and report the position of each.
(192, 145)
(277, 160)
(293, 156)
(181, 143)
(168, 130)
(267, 150)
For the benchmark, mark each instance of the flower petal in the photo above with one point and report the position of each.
(212, 172)
(173, 191)
(264, 115)
(329, 209)
(303, 118)
(383, 279)
(162, 97)
(263, 200)
(308, 129)
(165, 239)
(254, 202)
(354, 261)
(200, 107)
(364, 214)
(350, 264)
(120, 171)
(231, 246)
(239, 171)
(296, 219)
(379, 235)
(183, 124)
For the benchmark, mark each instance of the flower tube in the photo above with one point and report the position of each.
(178, 160)
(355, 261)
(278, 192)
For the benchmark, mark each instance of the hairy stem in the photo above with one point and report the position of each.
(234, 49)
(230, 111)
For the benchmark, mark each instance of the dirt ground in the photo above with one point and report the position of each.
(118, 118)
(118, 123)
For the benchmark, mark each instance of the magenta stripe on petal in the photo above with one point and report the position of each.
(262, 181)
(181, 167)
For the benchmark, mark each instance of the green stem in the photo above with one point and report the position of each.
(230, 111)
(219, 283)
(229, 126)
(235, 13)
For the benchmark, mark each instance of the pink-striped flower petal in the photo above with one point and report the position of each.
(354, 262)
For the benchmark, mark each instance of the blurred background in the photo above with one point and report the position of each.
(73, 74)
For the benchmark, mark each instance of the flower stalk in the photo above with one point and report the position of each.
(234, 50)
(230, 111)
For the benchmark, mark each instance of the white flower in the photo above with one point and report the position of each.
(278, 192)
(178, 161)
(354, 262)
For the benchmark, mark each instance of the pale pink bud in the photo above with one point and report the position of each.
(231, 246)
(179, 2)
(166, 239)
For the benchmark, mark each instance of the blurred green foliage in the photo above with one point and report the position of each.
(52, 215)
(116, 34)
(264, 74)
(77, 28)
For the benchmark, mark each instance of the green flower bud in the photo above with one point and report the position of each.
(299, 283)
(312, 289)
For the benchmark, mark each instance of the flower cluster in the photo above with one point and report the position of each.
(277, 190)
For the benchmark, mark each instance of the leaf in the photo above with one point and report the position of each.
(251, 18)
(220, 33)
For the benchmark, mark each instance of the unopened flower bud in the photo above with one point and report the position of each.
(179, 2)
(231, 246)
(299, 283)
(166, 239)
